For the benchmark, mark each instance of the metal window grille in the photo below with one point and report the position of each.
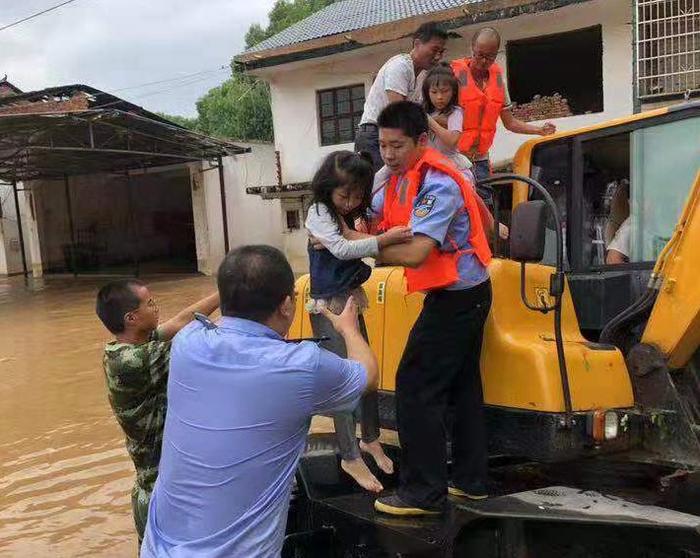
(668, 48)
(339, 113)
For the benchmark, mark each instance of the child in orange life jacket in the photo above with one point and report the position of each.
(445, 119)
(445, 116)
(342, 194)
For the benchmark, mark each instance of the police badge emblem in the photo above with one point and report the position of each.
(424, 206)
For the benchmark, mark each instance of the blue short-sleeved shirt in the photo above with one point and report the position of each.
(240, 401)
(438, 212)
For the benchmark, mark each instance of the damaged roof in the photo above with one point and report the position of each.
(77, 129)
(351, 24)
(71, 97)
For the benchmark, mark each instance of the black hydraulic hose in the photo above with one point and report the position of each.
(627, 319)
(559, 340)
(558, 282)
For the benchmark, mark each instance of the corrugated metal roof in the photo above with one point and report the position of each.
(349, 15)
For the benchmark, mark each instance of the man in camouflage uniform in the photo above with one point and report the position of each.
(136, 370)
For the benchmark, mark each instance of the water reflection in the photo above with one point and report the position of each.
(65, 477)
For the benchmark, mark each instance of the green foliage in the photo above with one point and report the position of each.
(283, 14)
(184, 121)
(239, 108)
(255, 34)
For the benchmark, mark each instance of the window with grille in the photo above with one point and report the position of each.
(668, 48)
(339, 113)
(293, 220)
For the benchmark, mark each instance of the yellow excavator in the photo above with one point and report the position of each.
(590, 363)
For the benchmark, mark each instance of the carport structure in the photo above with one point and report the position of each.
(61, 132)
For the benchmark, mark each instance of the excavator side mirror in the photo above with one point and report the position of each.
(527, 231)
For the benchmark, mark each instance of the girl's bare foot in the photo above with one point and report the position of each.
(359, 471)
(375, 450)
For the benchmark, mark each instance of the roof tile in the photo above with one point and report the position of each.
(349, 15)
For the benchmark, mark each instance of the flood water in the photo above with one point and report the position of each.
(65, 476)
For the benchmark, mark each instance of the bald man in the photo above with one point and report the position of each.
(483, 96)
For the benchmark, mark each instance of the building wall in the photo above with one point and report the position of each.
(10, 248)
(294, 85)
(251, 219)
(102, 221)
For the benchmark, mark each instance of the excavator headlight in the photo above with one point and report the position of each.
(611, 424)
(606, 425)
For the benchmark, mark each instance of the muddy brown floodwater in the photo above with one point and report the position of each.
(65, 477)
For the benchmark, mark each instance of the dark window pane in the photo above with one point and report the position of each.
(345, 129)
(342, 94)
(340, 111)
(328, 132)
(344, 107)
(293, 219)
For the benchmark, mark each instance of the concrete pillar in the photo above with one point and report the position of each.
(201, 226)
(10, 252)
(30, 229)
(3, 249)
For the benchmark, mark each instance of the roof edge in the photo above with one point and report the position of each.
(490, 10)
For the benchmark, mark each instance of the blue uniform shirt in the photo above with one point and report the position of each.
(438, 212)
(240, 401)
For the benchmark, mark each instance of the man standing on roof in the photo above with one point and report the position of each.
(483, 96)
(399, 79)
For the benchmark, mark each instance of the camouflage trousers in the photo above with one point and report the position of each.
(140, 499)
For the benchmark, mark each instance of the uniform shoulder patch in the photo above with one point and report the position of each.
(424, 206)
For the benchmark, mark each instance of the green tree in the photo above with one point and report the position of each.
(239, 108)
(184, 121)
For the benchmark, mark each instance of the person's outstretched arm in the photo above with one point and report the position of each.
(169, 329)
(517, 126)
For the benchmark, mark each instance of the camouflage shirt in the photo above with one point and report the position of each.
(137, 378)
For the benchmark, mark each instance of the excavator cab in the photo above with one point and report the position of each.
(627, 192)
(621, 185)
(589, 368)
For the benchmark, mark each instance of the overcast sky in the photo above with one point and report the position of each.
(115, 44)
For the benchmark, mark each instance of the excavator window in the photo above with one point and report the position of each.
(551, 167)
(664, 162)
(606, 185)
(633, 188)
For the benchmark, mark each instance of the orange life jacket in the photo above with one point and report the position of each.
(440, 268)
(481, 108)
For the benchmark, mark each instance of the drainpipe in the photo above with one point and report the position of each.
(224, 213)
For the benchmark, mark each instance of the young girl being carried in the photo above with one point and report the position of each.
(445, 118)
(342, 189)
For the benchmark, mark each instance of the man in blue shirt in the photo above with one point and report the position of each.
(440, 364)
(240, 401)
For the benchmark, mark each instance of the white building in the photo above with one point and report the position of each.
(320, 69)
